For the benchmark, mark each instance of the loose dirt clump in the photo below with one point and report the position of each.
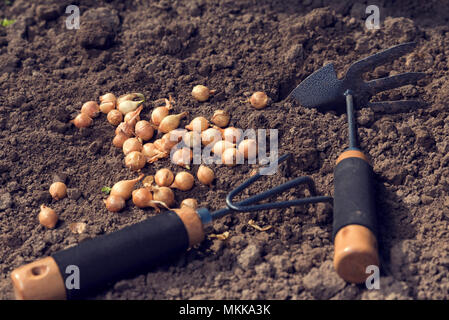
(236, 47)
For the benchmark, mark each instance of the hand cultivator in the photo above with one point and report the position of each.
(142, 246)
(354, 223)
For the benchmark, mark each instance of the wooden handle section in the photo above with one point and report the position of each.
(39, 280)
(355, 249)
(193, 225)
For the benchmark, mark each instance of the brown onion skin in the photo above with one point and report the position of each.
(48, 217)
(132, 144)
(159, 114)
(144, 130)
(232, 134)
(115, 203)
(171, 122)
(164, 194)
(58, 190)
(164, 177)
(248, 148)
(107, 107)
(259, 100)
(210, 135)
(205, 175)
(119, 139)
(198, 124)
(221, 146)
(135, 160)
(91, 108)
(184, 181)
(108, 97)
(231, 157)
(182, 157)
(82, 120)
(142, 197)
(201, 93)
(124, 188)
(221, 118)
(114, 117)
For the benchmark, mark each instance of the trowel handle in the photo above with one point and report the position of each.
(109, 258)
(354, 223)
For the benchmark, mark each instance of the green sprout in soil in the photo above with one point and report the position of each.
(6, 22)
(106, 190)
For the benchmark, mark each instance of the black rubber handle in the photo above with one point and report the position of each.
(129, 251)
(354, 196)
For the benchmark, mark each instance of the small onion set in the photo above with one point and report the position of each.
(149, 138)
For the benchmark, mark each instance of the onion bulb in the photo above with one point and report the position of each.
(220, 118)
(231, 157)
(168, 141)
(135, 160)
(131, 144)
(107, 98)
(171, 139)
(128, 106)
(129, 97)
(90, 108)
(143, 198)
(124, 188)
(164, 177)
(107, 107)
(205, 175)
(132, 117)
(82, 121)
(114, 203)
(129, 118)
(163, 194)
(119, 140)
(182, 157)
(144, 130)
(48, 217)
(171, 122)
(183, 181)
(126, 128)
(232, 134)
(152, 153)
(160, 113)
(198, 124)
(115, 117)
(221, 146)
(192, 139)
(58, 190)
(210, 135)
(259, 100)
(189, 202)
(201, 93)
(248, 148)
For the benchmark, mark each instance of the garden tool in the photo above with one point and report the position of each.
(354, 213)
(139, 247)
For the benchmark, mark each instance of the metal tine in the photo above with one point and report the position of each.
(377, 59)
(395, 106)
(396, 81)
(243, 205)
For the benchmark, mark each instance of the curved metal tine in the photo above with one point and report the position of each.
(284, 204)
(396, 81)
(242, 206)
(377, 59)
(395, 106)
(257, 176)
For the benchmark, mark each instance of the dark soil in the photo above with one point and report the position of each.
(236, 47)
